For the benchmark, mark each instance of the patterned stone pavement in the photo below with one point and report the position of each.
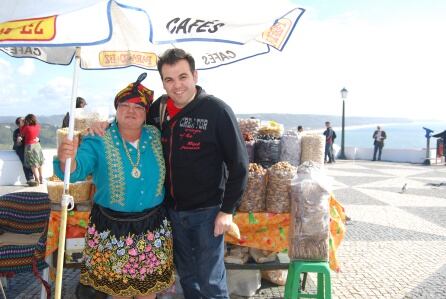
(395, 246)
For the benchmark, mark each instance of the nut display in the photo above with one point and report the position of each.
(250, 145)
(309, 218)
(267, 152)
(63, 132)
(272, 129)
(253, 199)
(290, 147)
(278, 187)
(80, 190)
(313, 147)
(84, 120)
(249, 126)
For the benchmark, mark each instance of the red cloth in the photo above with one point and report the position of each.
(171, 109)
(30, 133)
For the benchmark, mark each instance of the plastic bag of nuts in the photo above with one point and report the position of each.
(290, 147)
(267, 152)
(313, 148)
(250, 149)
(271, 129)
(249, 126)
(278, 187)
(63, 132)
(80, 190)
(84, 118)
(253, 199)
(309, 218)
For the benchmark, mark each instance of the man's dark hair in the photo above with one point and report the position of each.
(174, 55)
(17, 120)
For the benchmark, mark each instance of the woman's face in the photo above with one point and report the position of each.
(130, 116)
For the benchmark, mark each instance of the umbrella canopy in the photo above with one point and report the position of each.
(115, 34)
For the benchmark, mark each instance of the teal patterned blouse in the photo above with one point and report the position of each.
(105, 159)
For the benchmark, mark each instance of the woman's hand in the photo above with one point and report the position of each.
(98, 128)
(68, 149)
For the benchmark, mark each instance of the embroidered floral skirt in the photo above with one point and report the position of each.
(128, 254)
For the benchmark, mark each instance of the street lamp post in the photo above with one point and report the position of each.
(344, 93)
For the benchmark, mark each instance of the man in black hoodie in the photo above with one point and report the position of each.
(206, 173)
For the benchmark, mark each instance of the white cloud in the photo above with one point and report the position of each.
(27, 68)
(55, 96)
(7, 70)
(9, 92)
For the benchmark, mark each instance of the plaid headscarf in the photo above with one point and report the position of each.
(135, 93)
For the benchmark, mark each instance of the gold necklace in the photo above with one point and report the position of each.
(136, 173)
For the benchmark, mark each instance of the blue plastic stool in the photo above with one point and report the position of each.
(293, 282)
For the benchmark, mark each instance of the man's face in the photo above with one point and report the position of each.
(179, 82)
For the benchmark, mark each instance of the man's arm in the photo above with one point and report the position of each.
(235, 157)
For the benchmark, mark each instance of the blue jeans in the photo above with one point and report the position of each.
(198, 255)
(378, 149)
(329, 153)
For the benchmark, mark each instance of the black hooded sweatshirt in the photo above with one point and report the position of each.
(205, 154)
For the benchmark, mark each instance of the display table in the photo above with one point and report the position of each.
(269, 231)
(282, 261)
(77, 222)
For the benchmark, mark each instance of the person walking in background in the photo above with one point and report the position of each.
(33, 151)
(19, 147)
(330, 137)
(80, 103)
(379, 136)
(206, 173)
(128, 251)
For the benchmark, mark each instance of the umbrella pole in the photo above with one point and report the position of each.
(67, 202)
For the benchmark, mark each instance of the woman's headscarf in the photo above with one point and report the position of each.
(136, 93)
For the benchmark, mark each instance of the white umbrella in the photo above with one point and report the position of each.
(111, 34)
(123, 33)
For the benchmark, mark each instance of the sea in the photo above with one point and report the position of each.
(399, 135)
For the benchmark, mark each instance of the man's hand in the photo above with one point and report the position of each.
(98, 128)
(222, 223)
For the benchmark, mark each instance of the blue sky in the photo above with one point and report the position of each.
(390, 55)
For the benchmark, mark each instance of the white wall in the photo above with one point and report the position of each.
(11, 170)
(388, 154)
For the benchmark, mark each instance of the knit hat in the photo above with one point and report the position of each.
(135, 93)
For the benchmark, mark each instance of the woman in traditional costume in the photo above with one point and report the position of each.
(128, 250)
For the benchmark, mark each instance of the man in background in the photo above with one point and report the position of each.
(330, 136)
(379, 136)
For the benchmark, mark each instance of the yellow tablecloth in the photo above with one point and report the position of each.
(76, 227)
(269, 231)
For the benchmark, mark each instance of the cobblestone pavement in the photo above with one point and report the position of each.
(395, 246)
